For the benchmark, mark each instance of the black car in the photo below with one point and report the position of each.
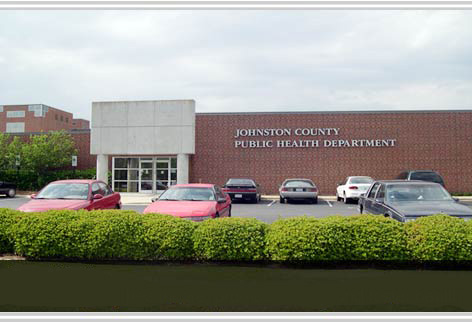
(409, 200)
(243, 189)
(9, 189)
(423, 175)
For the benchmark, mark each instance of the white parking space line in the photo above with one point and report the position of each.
(273, 201)
(329, 203)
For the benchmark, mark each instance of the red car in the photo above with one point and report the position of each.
(196, 202)
(73, 194)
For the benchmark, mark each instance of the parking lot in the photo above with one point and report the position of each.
(267, 210)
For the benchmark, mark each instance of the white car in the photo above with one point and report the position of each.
(352, 188)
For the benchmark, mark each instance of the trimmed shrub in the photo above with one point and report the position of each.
(105, 234)
(363, 237)
(439, 237)
(7, 218)
(230, 239)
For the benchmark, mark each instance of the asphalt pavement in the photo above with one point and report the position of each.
(266, 210)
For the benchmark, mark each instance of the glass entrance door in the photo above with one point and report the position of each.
(162, 174)
(145, 175)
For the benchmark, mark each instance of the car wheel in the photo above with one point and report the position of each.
(11, 193)
(338, 198)
(360, 209)
(255, 199)
(282, 200)
(229, 211)
(117, 206)
(217, 215)
(315, 200)
(346, 199)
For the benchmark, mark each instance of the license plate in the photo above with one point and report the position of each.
(299, 189)
(238, 196)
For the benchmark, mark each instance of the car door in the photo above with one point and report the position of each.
(97, 203)
(222, 208)
(109, 201)
(378, 202)
(369, 198)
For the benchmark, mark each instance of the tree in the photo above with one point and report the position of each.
(9, 150)
(47, 152)
(4, 143)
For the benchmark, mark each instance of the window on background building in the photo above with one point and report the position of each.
(67, 120)
(73, 123)
(39, 110)
(15, 113)
(62, 118)
(57, 117)
(16, 127)
(1, 108)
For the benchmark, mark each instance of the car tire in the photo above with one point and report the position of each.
(117, 206)
(346, 199)
(361, 210)
(282, 200)
(255, 199)
(217, 215)
(229, 211)
(338, 198)
(315, 200)
(11, 193)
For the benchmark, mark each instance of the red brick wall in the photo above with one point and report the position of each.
(36, 123)
(80, 124)
(441, 141)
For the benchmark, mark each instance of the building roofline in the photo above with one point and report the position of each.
(340, 112)
(71, 131)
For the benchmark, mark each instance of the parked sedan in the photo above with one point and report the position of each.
(243, 189)
(9, 189)
(73, 194)
(196, 202)
(408, 200)
(298, 189)
(352, 187)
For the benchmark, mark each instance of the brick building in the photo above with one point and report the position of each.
(37, 118)
(270, 147)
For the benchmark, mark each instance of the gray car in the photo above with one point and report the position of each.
(298, 189)
(409, 200)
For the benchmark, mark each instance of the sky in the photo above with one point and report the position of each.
(238, 61)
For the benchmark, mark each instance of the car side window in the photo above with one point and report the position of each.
(104, 190)
(381, 192)
(346, 181)
(373, 190)
(219, 193)
(95, 188)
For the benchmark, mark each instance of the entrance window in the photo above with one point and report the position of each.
(147, 174)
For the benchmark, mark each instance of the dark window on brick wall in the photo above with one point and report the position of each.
(67, 120)
(62, 118)
(57, 117)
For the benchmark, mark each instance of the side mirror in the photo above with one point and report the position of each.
(221, 200)
(456, 199)
(154, 199)
(379, 200)
(97, 196)
(33, 196)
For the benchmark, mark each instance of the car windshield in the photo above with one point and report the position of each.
(298, 183)
(64, 191)
(426, 176)
(187, 193)
(240, 181)
(417, 192)
(361, 180)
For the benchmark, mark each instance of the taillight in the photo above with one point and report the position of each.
(312, 189)
(284, 189)
(353, 187)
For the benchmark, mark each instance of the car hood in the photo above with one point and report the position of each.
(182, 208)
(424, 208)
(38, 205)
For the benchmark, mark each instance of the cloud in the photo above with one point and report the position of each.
(238, 60)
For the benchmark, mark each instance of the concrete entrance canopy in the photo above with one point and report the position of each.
(144, 128)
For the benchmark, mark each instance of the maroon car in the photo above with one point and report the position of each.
(73, 194)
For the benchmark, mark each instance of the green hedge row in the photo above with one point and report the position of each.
(118, 234)
(32, 181)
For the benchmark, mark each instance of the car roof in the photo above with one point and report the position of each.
(419, 171)
(194, 185)
(407, 182)
(76, 181)
(299, 179)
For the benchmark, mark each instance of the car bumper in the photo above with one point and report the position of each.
(298, 195)
(354, 194)
(242, 195)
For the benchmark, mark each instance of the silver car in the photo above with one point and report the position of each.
(298, 189)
